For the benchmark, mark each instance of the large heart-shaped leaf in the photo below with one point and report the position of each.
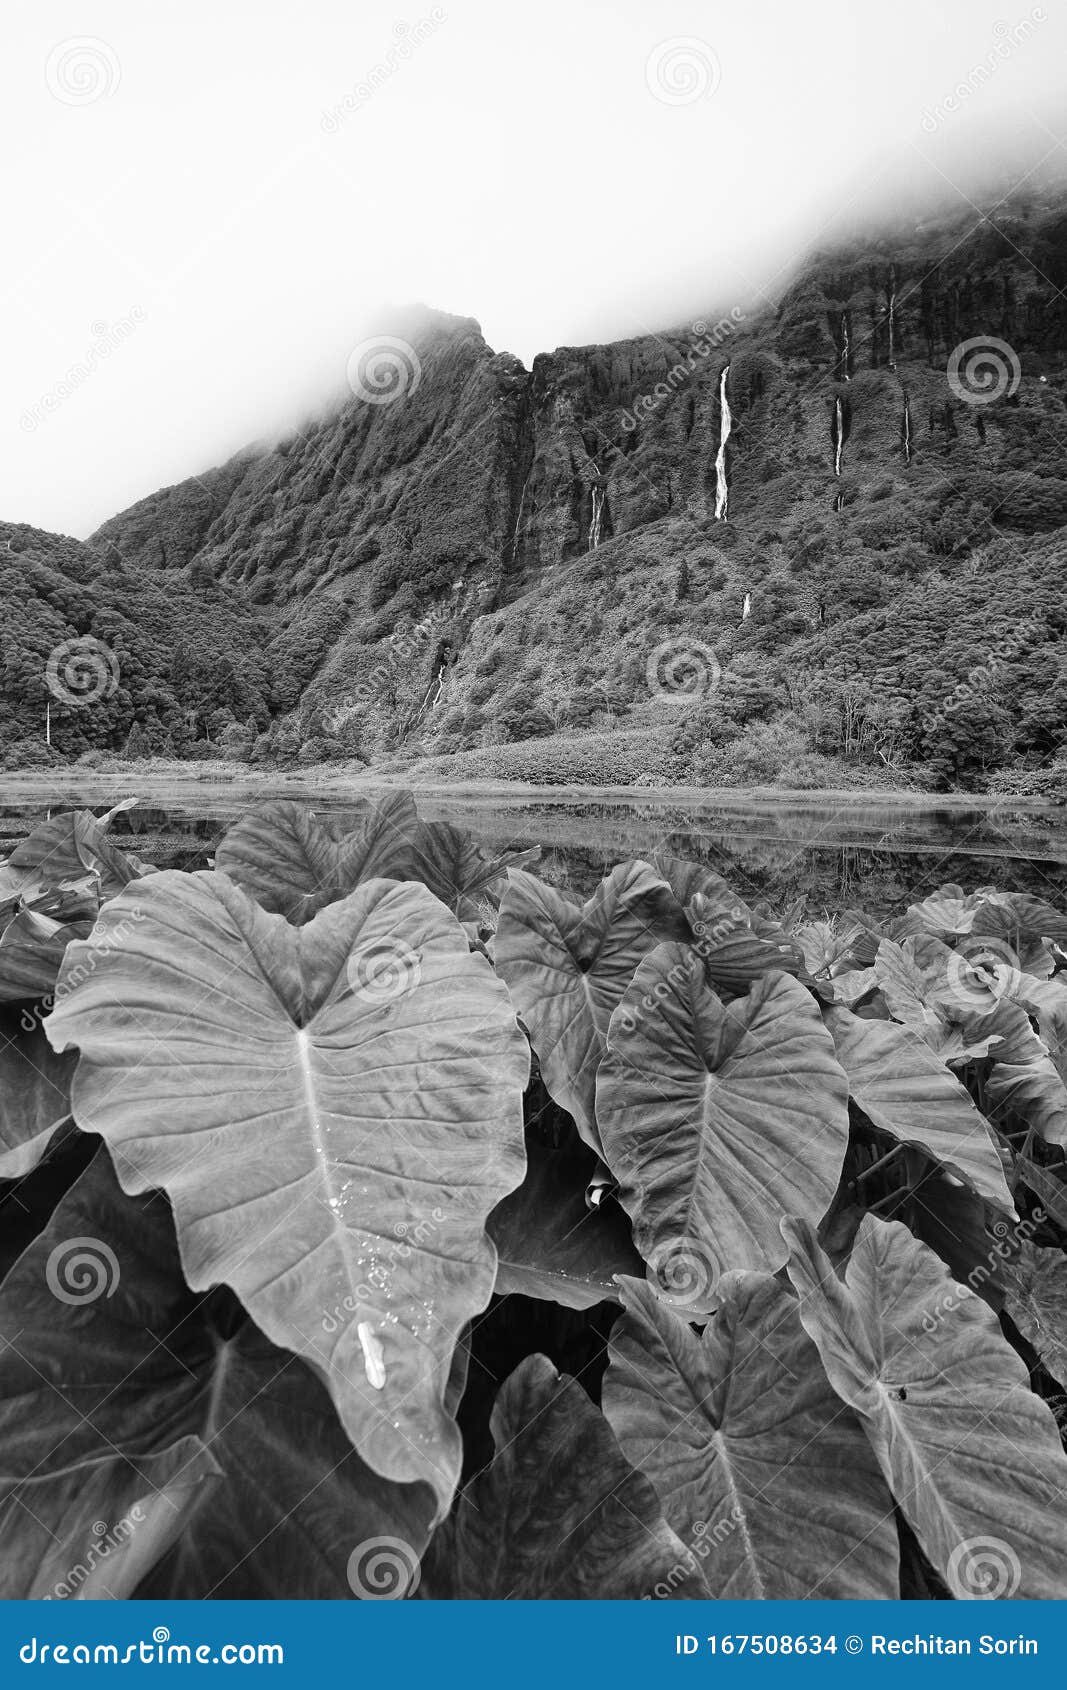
(1029, 1096)
(717, 1121)
(970, 1453)
(168, 1420)
(333, 1110)
(907, 1091)
(70, 849)
(749, 1448)
(567, 966)
(34, 1095)
(459, 870)
(560, 1513)
(294, 862)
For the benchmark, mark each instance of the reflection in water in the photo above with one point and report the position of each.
(830, 853)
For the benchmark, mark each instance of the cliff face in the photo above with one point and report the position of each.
(482, 492)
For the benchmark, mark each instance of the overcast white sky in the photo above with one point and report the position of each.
(205, 204)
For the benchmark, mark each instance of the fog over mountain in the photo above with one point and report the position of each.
(208, 218)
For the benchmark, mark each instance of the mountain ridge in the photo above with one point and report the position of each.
(482, 555)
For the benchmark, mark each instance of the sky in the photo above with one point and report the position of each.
(208, 205)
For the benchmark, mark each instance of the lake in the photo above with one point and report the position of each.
(836, 850)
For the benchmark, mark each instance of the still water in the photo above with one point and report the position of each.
(832, 851)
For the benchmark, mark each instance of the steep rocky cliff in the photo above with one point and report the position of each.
(493, 550)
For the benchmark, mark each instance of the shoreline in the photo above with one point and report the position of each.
(327, 780)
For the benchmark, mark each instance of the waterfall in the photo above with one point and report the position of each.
(839, 503)
(746, 608)
(597, 519)
(892, 303)
(722, 490)
(518, 517)
(846, 345)
(907, 430)
(440, 684)
(839, 434)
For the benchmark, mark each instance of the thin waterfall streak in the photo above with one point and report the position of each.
(722, 489)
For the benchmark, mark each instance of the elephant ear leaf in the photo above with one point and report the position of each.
(718, 1121)
(155, 1439)
(34, 1097)
(294, 863)
(749, 1448)
(906, 1091)
(972, 1456)
(560, 1513)
(567, 966)
(333, 1111)
(459, 870)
